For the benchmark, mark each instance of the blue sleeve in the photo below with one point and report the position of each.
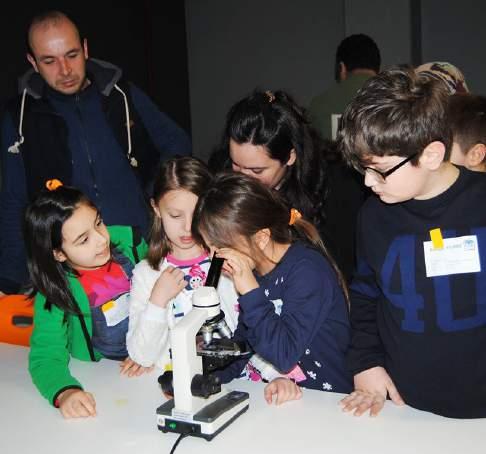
(13, 200)
(307, 300)
(167, 136)
(234, 369)
(366, 349)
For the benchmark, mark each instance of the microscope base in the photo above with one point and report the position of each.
(209, 421)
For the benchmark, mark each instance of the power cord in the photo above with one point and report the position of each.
(181, 436)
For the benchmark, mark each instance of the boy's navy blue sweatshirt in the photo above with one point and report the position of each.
(298, 316)
(429, 333)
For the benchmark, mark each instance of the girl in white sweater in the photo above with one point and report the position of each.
(163, 283)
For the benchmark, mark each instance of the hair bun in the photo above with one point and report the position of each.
(53, 184)
(270, 96)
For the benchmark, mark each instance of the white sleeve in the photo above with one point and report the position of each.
(148, 329)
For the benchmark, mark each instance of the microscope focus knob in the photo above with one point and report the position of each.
(205, 385)
(166, 381)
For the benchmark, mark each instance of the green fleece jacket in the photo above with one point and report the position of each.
(55, 340)
(333, 102)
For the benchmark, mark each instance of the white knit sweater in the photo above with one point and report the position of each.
(148, 340)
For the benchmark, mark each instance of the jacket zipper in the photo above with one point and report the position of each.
(90, 160)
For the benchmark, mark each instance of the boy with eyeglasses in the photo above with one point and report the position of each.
(418, 297)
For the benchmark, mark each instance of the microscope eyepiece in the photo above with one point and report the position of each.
(214, 272)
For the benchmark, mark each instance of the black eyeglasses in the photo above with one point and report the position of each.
(383, 175)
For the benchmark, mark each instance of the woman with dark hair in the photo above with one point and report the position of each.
(268, 137)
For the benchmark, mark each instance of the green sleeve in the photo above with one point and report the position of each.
(142, 249)
(127, 239)
(49, 353)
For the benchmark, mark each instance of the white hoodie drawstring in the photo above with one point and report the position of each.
(131, 159)
(15, 147)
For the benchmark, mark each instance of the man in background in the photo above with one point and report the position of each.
(78, 120)
(357, 59)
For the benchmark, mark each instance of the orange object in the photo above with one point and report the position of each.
(16, 319)
(53, 184)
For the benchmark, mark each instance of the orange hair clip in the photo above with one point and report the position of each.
(294, 216)
(53, 184)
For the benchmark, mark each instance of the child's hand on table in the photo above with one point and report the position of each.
(76, 403)
(132, 369)
(283, 390)
(371, 388)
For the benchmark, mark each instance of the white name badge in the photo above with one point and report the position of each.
(458, 256)
(116, 310)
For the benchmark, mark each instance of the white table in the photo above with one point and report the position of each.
(126, 422)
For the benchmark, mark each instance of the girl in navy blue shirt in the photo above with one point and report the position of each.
(292, 302)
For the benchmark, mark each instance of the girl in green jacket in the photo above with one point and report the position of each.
(80, 271)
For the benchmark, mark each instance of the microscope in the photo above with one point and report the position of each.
(201, 406)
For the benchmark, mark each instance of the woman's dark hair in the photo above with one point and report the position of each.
(186, 173)
(43, 221)
(275, 121)
(237, 205)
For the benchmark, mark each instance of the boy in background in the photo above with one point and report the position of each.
(418, 296)
(467, 116)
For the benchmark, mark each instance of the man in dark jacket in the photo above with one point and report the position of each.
(79, 121)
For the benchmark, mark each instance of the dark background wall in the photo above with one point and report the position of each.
(197, 57)
(455, 31)
(235, 46)
(147, 39)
